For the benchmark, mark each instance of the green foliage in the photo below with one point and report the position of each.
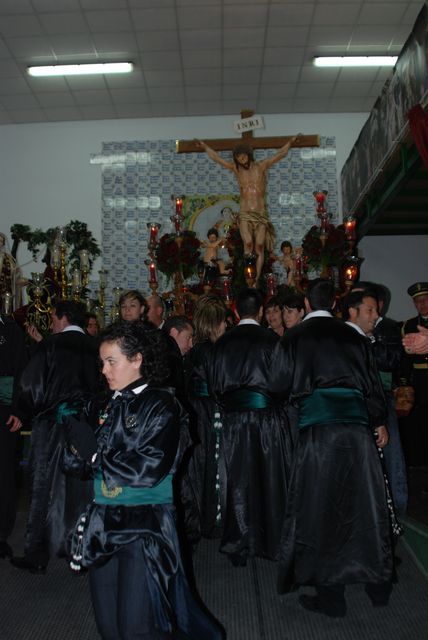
(78, 236)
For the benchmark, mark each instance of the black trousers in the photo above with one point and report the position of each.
(120, 597)
(8, 443)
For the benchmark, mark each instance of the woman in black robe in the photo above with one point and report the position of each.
(127, 537)
(203, 472)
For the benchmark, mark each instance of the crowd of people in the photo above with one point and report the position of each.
(262, 428)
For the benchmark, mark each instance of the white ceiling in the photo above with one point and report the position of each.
(194, 57)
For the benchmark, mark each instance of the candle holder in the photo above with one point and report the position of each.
(84, 267)
(176, 220)
(178, 201)
(153, 281)
(350, 271)
(250, 268)
(320, 199)
(39, 308)
(102, 287)
(271, 284)
(153, 235)
(226, 289)
(7, 303)
(350, 224)
(115, 309)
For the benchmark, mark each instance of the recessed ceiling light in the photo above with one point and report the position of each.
(81, 69)
(355, 61)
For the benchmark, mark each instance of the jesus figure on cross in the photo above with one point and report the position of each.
(256, 230)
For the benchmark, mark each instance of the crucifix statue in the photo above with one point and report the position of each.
(256, 230)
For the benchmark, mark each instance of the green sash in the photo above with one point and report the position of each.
(200, 389)
(64, 409)
(386, 379)
(132, 496)
(326, 406)
(6, 390)
(245, 400)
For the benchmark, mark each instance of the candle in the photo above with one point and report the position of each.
(55, 256)
(178, 205)
(7, 303)
(75, 278)
(350, 228)
(227, 290)
(153, 234)
(270, 282)
(152, 273)
(103, 278)
(84, 259)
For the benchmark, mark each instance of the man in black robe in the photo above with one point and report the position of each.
(363, 309)
(13, 358)
(254, 446)
(61, 376)
(415, 371)
(337, 530)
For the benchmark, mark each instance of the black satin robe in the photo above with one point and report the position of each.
(202, 470)
(141, 443)
(13, 358)
(63, 369)
(255, 449)
(337, 529)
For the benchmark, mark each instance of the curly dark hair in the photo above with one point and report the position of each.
(134, 338)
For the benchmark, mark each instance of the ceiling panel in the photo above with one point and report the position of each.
(194, 56)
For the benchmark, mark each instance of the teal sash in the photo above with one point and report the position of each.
(245, 400)
(133, 496)
(64, 410)
(200, 389)
(326, 406)
(6, 390)
(386, 379)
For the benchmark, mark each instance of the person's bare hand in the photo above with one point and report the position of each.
(14, 423)
(34, 333)
(382, 436)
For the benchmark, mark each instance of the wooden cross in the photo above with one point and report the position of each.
(225, 144)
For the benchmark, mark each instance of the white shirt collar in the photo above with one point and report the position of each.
(318, 314)
(357, 328)
(72, 327)
(248, 321)
(136, 390)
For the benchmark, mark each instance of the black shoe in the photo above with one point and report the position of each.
(29, 565)
(378, 594)
(237, 560)
(315, 604)
(5, 550)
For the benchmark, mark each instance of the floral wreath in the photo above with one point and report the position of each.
(329, 254)
(178, 254)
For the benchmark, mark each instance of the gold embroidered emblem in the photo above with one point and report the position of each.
(110, 493)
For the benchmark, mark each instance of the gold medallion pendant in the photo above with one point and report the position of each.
(110, 493)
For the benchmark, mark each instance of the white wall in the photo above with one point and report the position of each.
(397, 262)
(46, 180)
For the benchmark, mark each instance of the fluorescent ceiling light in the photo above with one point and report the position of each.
(355, 61)
(81, 69)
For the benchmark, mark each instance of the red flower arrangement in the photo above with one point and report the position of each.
(178, 254)
(329, 254)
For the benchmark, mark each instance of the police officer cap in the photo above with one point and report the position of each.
(418, 289)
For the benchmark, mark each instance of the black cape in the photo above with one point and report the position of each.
(255, 446)
(338, 528)
(63, 371)
(142, 442)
